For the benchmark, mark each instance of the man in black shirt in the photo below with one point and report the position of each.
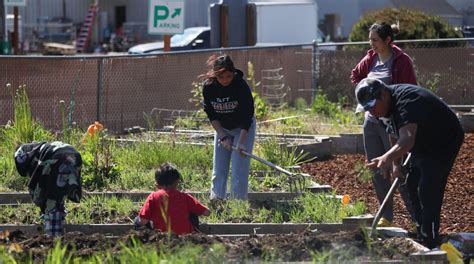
(421, 123)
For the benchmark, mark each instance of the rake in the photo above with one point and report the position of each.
(295, 180)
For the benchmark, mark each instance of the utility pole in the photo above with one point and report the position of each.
(64, 10)
(3, 22)
(16, 32)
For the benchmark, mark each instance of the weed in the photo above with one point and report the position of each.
(335, 111)
(23, 129)
(363, 173)
(99, 168)
(164, 214)
(300, 104)
(196, 93)
(277, 153)
(261, 107)
(432, 84)
(59, 254)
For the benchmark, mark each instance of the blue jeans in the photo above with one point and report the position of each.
(376, 143)
(240, 166)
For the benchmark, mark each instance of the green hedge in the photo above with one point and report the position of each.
(413, 25)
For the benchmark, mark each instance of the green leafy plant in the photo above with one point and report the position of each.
(323, 106)
(432, 84)
(280, 154)
(300, 104)
(335, 111)
(99, 166)
(196, 94)
(363, 173)
(59, 254)
(413, 25)
(261, 107)
(23, 129)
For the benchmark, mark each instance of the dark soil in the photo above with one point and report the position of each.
(344, 246)
(456, 214)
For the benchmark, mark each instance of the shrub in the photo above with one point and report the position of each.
(413, 25)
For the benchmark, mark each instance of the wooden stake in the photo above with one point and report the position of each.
(167, 43)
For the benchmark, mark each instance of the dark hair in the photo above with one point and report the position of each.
(167, 174)
(385, 30)
(217, 65)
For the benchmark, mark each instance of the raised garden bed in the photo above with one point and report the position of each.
(316, 246)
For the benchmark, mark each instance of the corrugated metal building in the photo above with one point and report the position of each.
(112, 13)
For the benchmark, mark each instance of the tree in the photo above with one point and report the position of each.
(413, 25)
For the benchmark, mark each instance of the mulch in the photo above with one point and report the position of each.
(457, 211)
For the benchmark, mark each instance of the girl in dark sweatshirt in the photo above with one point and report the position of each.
(229, 105)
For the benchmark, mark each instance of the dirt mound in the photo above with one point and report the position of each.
(456, 214)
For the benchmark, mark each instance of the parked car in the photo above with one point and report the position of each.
(192, 38)
(468, 32)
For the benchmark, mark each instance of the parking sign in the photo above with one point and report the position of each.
(166, 17)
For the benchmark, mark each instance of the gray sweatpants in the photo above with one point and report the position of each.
(376, 143)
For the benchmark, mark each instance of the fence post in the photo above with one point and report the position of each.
(314, 71)
(100, 87)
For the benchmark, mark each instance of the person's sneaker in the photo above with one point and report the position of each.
(383, 222)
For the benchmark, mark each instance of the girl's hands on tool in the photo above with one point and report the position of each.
(241, 148)
(226, 142)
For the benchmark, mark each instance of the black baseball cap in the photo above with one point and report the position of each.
(366, 92)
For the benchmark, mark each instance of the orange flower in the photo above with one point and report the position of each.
(93, 128)
(346, 199)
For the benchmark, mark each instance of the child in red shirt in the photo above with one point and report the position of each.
(168, 208)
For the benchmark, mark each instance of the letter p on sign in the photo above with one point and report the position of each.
(160, 13)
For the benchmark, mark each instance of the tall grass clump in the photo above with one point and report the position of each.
(141, 159)
(281, 155)
(136, 252)
(335, 112)
(59, 254)
(320, 208)
(22, 129)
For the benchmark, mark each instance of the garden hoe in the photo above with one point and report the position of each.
(296, 180)
(387, 197)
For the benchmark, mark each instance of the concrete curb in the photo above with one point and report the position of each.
(211, 229)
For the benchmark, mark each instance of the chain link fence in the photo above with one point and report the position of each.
(445, 66)
(125, 91)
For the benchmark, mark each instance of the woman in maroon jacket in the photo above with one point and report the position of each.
(388, 63)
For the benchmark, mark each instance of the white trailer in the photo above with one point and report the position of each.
(286, 22)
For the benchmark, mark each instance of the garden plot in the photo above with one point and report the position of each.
(151, 247)
(111, 166)
(307, 208)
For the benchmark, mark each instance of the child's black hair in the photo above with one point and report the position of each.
(167, 175)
